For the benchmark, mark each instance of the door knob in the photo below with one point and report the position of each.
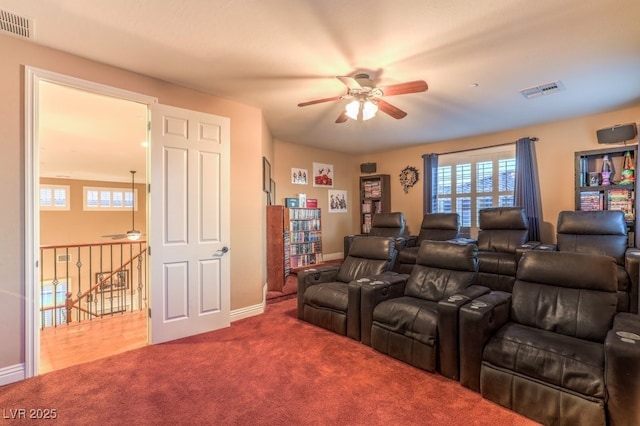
(221, 252)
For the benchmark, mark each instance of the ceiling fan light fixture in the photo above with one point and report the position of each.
(369, 110)
(353, 109)
(361, 109)
(133, 235)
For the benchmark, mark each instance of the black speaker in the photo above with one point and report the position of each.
(618, 133)
(368, 168)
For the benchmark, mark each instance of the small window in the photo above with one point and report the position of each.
(101, 199)
(54, 197)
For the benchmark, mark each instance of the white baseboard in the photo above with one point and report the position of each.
(249, 311)
(11, 374)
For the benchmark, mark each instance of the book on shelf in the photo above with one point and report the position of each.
(591, 200)
(622, 199)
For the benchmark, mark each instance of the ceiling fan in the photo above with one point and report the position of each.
(367, 97)
(133, 234)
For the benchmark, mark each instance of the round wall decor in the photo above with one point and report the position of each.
(408, 177)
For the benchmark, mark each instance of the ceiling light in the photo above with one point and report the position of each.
(133, 235)
(360, 108)
(352, 109)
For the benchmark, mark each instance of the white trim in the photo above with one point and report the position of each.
(33, 76)
(12, 374)
(249, 311)
(333, 256)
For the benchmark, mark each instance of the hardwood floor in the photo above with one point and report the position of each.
(77, 343)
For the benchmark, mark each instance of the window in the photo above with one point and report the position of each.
(475, 180)
(47, 301)
(100, 199)
(54, 197)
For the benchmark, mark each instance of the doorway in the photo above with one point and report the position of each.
(189, 164)
(87, 140)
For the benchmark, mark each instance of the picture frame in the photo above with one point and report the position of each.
(299, 176)
(119, 281)
(266, 175)
(323, 175)
(272, 192)
(338, 201)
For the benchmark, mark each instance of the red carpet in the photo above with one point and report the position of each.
(270, 369)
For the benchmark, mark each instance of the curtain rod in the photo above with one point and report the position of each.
(533, 139)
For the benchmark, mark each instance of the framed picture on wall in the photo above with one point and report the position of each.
(272, 192)
(323, 175)
(266, 175)
(337, 201)
(299, 176)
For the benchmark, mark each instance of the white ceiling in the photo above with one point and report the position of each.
(274, 54)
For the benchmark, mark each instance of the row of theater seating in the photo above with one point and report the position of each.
(502, 239)
(557, 347)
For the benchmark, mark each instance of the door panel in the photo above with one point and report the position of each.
(189, 217)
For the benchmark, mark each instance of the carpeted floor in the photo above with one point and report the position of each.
(271, 369)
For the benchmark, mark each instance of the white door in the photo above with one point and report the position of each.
(189, 223)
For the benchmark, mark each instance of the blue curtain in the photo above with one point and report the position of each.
(527, 191)
(430, 188)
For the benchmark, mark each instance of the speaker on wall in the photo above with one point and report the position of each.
(368, 167)
(617, 134)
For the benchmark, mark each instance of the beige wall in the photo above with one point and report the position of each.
(249, 138)
(334, 225)
(555, 150)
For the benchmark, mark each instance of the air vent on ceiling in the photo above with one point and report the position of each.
(16, 25)
(543, 89)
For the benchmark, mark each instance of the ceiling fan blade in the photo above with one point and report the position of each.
(115, 236)
(393, 111)
(342, 117)
(404, 88)
(350, 82)
(319, 101)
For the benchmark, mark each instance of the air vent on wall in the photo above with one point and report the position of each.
(543, 89)
(13, 24)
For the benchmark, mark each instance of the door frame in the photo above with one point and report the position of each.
(32, 77)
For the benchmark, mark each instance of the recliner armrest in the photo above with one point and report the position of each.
(546, 247)
(622, 369)
(388, 286)
(632, 266)
(448, 310)
(529, 245)
(478, 321)
(354, 297)
(411, 241)
(309, 277)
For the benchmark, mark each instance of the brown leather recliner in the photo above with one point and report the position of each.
(603, 232)
(324, 295)
(417, 322)
(384, 225)
(435, 227)
(555, 350)
(503, 236)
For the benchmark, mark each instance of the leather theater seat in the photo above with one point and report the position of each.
(555, 350)
(603, 232)
(503, 236)
(434, 226)
(417, 322)
(324, 295)
(384, 225)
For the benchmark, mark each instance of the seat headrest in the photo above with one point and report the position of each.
(449, 255)
(378, 248)
(596, 222)
(388, 220)
(568, 269)
(503, 218)
(448, 221)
